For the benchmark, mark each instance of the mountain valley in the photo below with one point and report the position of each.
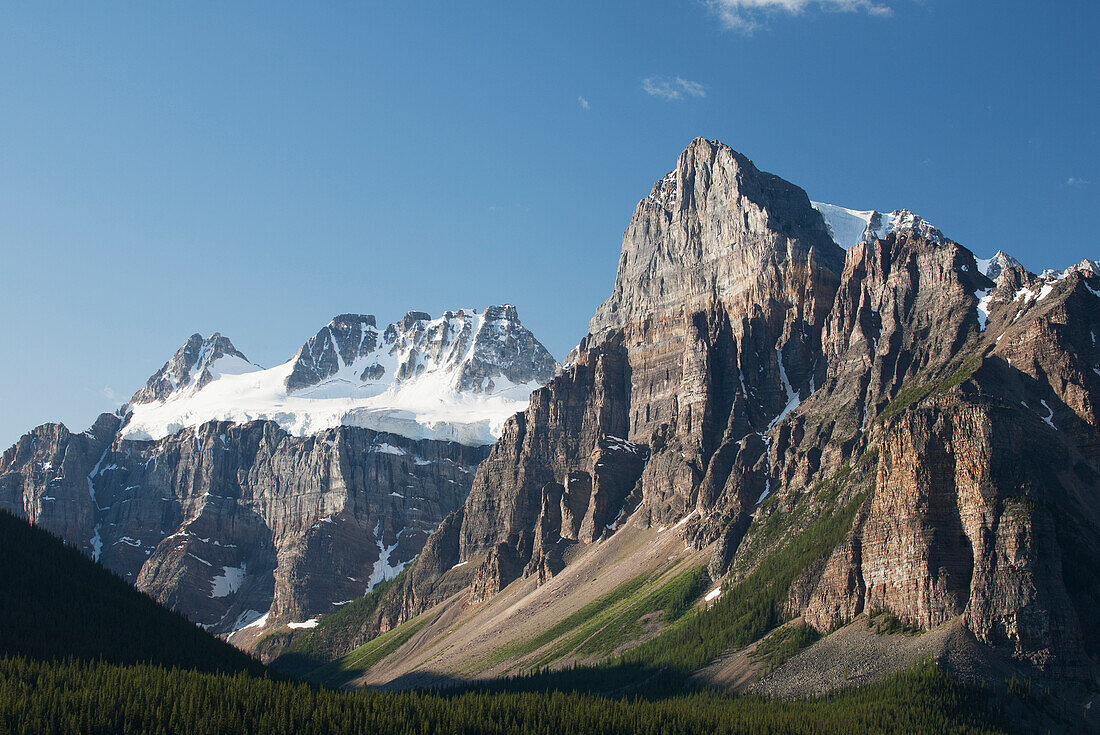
(800, 448)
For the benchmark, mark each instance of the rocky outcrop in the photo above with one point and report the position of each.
(711, 334)
(230, 522)
(192, 367)
(743, 355)
(46, 478)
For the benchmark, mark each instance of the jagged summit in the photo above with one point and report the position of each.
(456, 377)
(850, 227)
(198, 362)
(748, 384)
(1085, 267)
(706, 231)
(1000, 262)
(342, 341)
(467, 351)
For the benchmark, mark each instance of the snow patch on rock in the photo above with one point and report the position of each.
(229, 581)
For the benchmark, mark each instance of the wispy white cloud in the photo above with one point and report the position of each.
(109, 393)
(672, 88)
(748, 15)
(583, 102)
(1075, 181)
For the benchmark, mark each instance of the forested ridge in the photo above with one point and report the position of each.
(57, 603)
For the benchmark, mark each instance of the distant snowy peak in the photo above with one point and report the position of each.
(847, 227)
(998, 264)
(457, 378)
(474, 351)
(200, 361)
(1086, 267)
(850, 227)
(902, 220)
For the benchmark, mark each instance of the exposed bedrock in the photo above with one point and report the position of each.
(742, 356)
(228, 521)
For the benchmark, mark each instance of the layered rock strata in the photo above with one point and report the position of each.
(230, 522)
(745, 363)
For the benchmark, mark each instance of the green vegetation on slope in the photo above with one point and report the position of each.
(672, 600)
(748, 609)
(913, 394)
(885, 622)
(351, 665)
(334, 635)
(81, 697)
(57, 603)
(609, 621)
(782, 644)
(575, 623)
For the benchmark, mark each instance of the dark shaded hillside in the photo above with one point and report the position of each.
(38, 697)
(56, 603)
(82, 651)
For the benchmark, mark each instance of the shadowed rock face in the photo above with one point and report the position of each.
(230, 519)
(742, 355)
(986, 488)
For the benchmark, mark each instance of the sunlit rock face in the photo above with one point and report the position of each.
(745, 360)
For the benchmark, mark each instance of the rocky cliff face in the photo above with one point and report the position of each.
(230, 522)
(713, 333)
(745, 362)
(986, 482)
(242, 524)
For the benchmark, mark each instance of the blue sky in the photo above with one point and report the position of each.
(256, 168)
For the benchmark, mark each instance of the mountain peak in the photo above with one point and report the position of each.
(849, 227)
(706, 230)
(469, 352)
(1000, 262)
(339, 343)
(457, 377)
(1086, 267)
(199, 361)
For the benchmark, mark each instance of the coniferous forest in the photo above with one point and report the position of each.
(84, 652)
(90, 697)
